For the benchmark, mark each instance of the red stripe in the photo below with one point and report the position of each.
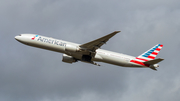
(154, 53)
(137, 62)
(33, 38)
(151, 57)
(140, 63)
(141, 59)
(161, 45)
(158, 49)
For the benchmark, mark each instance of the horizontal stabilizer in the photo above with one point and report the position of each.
(155, 61)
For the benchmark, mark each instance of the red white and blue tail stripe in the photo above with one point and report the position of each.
(151, 53)
(148, 55)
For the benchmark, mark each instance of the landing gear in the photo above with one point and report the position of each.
(87, 59)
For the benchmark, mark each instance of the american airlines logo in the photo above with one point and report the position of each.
(51, 41)
(34, 37)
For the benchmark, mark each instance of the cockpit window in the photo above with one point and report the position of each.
(20, 35)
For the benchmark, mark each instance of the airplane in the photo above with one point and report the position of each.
(90, 52)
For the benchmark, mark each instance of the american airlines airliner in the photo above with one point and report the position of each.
(90, 52)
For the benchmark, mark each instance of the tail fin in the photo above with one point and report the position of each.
(150, 54)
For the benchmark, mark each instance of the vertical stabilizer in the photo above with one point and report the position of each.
(150, 54)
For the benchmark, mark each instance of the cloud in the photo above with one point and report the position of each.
(28, 73)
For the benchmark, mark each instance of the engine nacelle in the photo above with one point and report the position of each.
(71, 48)
(68, 59)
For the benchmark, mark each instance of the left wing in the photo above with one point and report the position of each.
(93, 45)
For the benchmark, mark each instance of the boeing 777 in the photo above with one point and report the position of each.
(90, 52)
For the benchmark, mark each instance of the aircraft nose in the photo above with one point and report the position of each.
(17, 37)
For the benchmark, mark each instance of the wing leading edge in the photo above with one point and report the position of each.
(93, 45)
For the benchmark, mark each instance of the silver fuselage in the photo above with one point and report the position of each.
(56, 45)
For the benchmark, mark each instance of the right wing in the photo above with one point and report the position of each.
(93, 45)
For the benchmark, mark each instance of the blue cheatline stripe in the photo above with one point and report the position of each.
(152, 50)
(147, 54)
(144, 55)
(36, 35)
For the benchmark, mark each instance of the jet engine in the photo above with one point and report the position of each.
(68, 59)
(71, 48)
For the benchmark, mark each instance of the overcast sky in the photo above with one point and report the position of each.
(32, 74)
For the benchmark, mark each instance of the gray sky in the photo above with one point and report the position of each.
(32, 74)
